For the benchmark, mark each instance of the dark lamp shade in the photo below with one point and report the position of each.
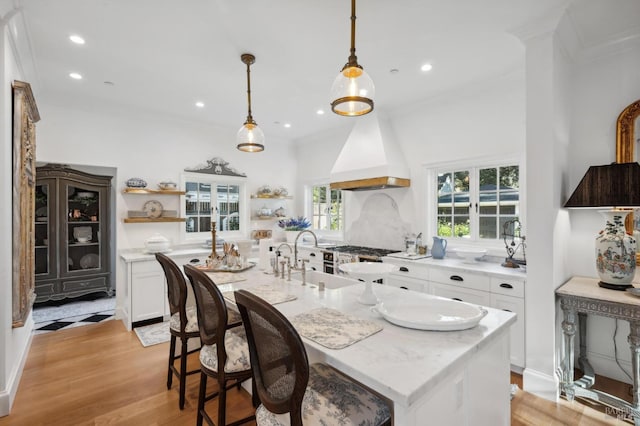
(611, 185)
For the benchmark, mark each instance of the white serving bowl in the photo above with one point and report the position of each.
(469, 255)
(83, 239)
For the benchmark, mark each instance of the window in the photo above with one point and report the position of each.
(327, 209)
(208, 201)
(475, 202)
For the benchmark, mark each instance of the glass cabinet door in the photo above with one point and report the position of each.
(45, 196)
(81, 236)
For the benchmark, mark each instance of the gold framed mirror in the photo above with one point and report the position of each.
(627, 136)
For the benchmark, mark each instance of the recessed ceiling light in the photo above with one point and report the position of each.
(320, 112)
(287, 125)
(200, 104)
(426, 67)
(75, 76)
(394, 70)
(76, 39)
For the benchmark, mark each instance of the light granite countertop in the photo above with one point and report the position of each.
(482, 267)
(402, 364)
(140, 255)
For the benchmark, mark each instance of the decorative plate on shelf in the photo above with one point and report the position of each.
(153, 208)
(90, 261)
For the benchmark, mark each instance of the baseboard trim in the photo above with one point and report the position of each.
(540, 384)
(7, 396)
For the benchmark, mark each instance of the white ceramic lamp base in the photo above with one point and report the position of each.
(615, 252)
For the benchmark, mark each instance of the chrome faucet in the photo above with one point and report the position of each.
(278, 255)
(295, 246)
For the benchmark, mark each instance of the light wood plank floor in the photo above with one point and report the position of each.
(101, 375)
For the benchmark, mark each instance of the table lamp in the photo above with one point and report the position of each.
(614, 188)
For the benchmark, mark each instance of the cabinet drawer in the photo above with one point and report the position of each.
(406, 283)
(507, 286)
(411, 270)
(81, 285)
(44, 289)
(462, 294)
(461, 279)
(147, 266)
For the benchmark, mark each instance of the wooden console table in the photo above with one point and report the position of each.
(583, 296)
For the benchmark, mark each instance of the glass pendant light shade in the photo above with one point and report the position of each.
(250, 138)
(352, 92)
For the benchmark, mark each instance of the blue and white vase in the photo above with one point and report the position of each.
(615, 251)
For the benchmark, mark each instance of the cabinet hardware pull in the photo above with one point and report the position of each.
(194, 261)
(312, 255)
(403, 287)
(505, 285)
(456, 298)
(456, 278)
(507, 310)
(404, 269)
(313, 268)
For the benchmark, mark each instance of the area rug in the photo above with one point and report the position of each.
(153, 334)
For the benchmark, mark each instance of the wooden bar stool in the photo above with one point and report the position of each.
(183, 323)
(224, 355)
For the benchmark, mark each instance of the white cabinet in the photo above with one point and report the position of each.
(410, 277)
(461, 294)
(313, 255)
(148, 292)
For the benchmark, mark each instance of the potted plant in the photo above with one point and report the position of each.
(293, 225)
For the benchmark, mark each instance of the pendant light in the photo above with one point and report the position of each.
(250, 137)
(353, 90)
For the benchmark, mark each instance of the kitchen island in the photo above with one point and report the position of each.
(439, 377)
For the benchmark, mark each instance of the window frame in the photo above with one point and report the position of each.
(214, 181)
(474, 165)
(308, 209)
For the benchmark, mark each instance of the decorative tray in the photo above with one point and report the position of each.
(205, 268)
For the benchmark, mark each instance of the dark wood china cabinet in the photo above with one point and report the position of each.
(71, 233)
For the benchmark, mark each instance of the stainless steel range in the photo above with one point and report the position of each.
(335, 256)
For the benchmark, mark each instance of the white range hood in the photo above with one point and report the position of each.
(370, 158)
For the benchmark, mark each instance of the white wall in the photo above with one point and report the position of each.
(15, 341)
(603, 85)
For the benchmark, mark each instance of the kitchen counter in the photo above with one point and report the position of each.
(138, 255)
(453, 377)
(482, 267)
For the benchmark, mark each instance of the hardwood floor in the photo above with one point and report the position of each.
(101, 375)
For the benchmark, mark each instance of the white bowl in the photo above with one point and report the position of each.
(367, 271)
(83, 239)
(469, 255)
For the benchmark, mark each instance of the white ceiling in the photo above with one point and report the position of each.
(164, 55)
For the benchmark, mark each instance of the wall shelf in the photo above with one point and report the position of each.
(149, 219)
(152, 191)
(271, 197)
